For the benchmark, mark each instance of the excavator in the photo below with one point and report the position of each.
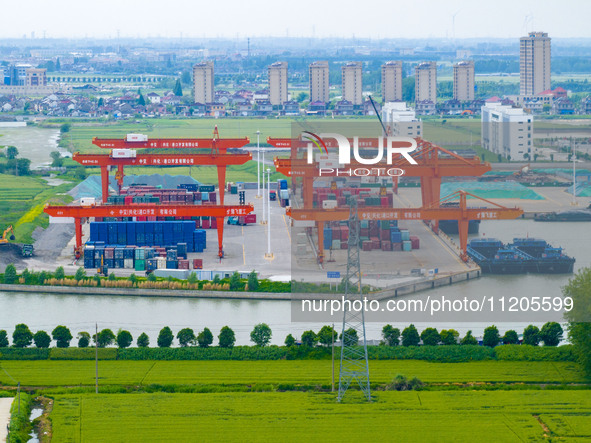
(8, 235)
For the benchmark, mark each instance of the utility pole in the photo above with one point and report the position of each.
(258, 166)
(574, 154)
(354, 362)
(264, 219)
(269, 254)
(96, 356)
(332, 351)
(18, 390)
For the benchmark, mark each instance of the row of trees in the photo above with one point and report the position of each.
(22, 337)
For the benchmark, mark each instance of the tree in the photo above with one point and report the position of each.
(65, 128)
(551, 334)
(42, 339)
(11, 152)
(58, 65)
(235, 283)
(351, 338)
(60, 273)
(327, 335)
(57, 159)
(124, 339)
(253, 281)
(510, 338)
(531, 336)
(491, 336)
(83, 339)
(186, 77)
(449, 336)
(3, 339)
(23, 166)
(62, 336)
(10, 274)
(111, 277)
(22, 336)
(289, 340)
(261, 334)
(430, 337)
(579, 327)
(410, 336)
(165, 337)
(151, 277)
(469, 339)
(143, 341)
(391, 335)
(141, 100)
(226, 338)
(308, 338)
(80, 172)
(205, 338)
(186, 337)
(302, 96)
(178, 89)
(80, 274)
(192, 279)
(101, 102)
(132, 278)
(106, 337)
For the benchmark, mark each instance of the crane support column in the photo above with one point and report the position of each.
(119, 176)
(220, 223)
(78, 247)
(222, 182)
(105, 182)
(320, 225)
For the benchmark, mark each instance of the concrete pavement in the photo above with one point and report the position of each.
(5, 404)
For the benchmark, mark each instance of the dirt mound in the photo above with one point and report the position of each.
(10, 253)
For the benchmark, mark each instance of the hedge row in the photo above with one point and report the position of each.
(446, 354)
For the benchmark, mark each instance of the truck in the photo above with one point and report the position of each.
(136, 138)
(272, 195)
(242, 219)
(123, 153)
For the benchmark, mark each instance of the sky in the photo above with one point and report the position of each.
(299, 18)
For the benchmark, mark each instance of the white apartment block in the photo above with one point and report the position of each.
(507, 131)
(401, 121)
(278, 92)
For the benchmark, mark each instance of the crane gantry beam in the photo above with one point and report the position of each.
(463, 214)
(106, 160)
(148, 210)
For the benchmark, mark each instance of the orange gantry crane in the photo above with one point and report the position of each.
(463, 214)
(107, 160)
(148, 210)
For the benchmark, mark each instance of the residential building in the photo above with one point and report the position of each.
(401, 121)
(278, 83)
(426, 82)
(352, 83)
(203, 86)
(507, 131)
(344, 107)
(391, 81)
(319, 82)
(464, 81)
(534, 63)
(563, 106)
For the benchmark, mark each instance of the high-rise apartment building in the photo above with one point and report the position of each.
(319, 82)
(464, 81)
(203, 90)
(534, 63)
(426, 82)
(392, 81)
(278, 83)
(352, 82)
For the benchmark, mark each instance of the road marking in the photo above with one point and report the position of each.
(243, 250)
(286, 226)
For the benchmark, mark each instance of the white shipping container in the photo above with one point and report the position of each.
(329, 204)
(128, 263)
(123, 153)
(87, 201)
(137, 138)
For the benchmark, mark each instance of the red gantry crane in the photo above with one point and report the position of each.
(148, 210)
(463, 214)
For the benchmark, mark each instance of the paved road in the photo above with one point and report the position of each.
(5, 404)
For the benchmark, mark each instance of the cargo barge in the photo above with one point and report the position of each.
(574, 215)
(524, 255)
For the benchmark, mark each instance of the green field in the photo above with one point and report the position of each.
(305, 372)
(393, 416)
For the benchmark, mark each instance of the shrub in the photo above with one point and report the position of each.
(205, 338)
(510, 338)
(253, 281)
(289, 340)
(186, 337)
(410, 336)
(235, 283)
(10, 275)
(531, 335)
(80, 274)
(551, 333)
(143, 341)
(42, 339)
(226, 338)
(82, 354)
(308, 338)
(60, 273)
(400, 383)
(469, 339)
(391, 335)
(430, 337)
(535, 353)
(261, 334)
(491, 336)
(124, 339)
(449, 337)
(62, 336)
(165, 337)
(22, 336)
(83, 339)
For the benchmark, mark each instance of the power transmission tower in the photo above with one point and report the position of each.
(354, 364)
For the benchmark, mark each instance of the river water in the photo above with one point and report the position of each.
(32, 142)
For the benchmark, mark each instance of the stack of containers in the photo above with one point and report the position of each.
(171, 259)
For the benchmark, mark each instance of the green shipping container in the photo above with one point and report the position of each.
(140, 265)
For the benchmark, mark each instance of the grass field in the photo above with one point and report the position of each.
(306, 372)
(393, 416)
